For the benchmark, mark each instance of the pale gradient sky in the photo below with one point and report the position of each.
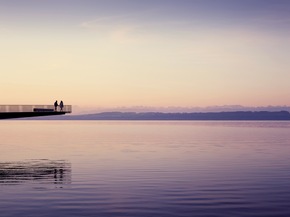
(110, 53)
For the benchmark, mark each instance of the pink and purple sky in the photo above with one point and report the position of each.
(156, 53)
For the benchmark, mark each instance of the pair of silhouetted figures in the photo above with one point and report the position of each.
(56, 105)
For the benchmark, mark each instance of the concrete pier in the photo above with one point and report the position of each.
(24, 111)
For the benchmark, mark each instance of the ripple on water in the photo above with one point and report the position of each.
(145, 169)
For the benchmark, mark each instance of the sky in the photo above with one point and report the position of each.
(157, 53)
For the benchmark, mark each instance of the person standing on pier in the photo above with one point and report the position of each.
(61, 105)
(55, 105)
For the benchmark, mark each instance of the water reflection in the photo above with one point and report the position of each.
(43, 170)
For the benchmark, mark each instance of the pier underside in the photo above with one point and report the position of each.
(9, 115)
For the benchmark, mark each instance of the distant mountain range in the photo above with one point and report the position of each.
(175, 109)
(235, 115)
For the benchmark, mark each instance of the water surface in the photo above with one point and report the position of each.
(139, 168)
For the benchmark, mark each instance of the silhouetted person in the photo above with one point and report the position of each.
(55, 105)
(61, 105)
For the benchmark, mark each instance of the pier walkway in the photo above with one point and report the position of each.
(23, 111)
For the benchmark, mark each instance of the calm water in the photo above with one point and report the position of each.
(98, 168)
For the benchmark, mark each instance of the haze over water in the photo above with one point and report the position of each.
(107, 168)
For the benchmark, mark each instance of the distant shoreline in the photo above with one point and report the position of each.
(195, 116)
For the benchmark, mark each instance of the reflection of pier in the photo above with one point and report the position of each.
(42, 171)
(22, 111)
